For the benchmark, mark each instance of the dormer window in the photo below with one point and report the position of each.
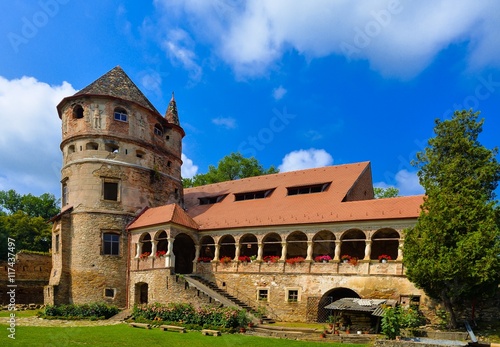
(261, 194)
(120, 114)
(208, 200)
(158, 130)
(309, 189)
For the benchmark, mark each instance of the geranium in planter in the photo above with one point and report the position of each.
(204, 259)
(322, 258)
(271, 258)
(145, 255)
(160, 254)
(295, 260)
(345, 258)
(383, 258)
(225, 260)
(244, 258)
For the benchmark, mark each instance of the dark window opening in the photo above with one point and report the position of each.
(110, 191)
(64, 194)
(314, 188)
(71, 149)
(120, 114)
(111, 147)
(261, 194)
(78, 112)
(169, 163)
(109, 292)
(91, 146)
(293, 295)
(158, 130)
(110, 244)
(263, 294)
(57, 243)
(139, 154)
(208, 200)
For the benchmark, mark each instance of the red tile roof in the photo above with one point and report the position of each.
(349, 197)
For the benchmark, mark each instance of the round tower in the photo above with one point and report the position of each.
(119, 156)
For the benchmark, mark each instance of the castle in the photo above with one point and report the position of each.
(127, 228)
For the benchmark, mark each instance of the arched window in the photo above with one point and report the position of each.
(353, 243)
(78, 112)
(385, 242)
(71, 149)
(112, 147)
(120, 114)
(158, 130)
(146, 244)
(162, 246)
(91, 146)
(296, 245)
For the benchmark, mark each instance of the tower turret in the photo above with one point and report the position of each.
(119, 156)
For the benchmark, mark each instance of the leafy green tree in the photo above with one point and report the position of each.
(389, 192)
(45, 205)
(232, 167)
(453, 251)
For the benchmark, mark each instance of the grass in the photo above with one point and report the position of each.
(19, 314)
(124, 335)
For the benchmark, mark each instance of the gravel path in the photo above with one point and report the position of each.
(39, 322)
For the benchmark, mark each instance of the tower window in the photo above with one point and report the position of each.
(56, 241)
(158, 130)
(110, 191)
(111, 147)
(64, 194)
(78, 112)
(91, 146)
(110, 244)
(71, 149)
(120, 114)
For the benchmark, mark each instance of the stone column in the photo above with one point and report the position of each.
(153, 248)
(309, 250)
(400, 249)
(169, 256)
(283, 250)
(337, 250)
(217, 250)
(237, 251)
(197, 249)
(368, 249)
(260, 251)
(138, 250)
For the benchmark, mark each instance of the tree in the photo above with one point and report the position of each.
(232, 167)
(45, 205)
(389, 192)
(453, 251)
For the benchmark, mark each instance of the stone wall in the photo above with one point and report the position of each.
(32, 273)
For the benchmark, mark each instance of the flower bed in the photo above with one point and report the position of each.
(322, 258)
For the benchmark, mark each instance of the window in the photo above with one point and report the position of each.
(120, 114)
(91, 146)
(139, 154)
(314, 188)
(208, 200)
(71, 149)
(110, 191)
(110, 244)
(263, 294)
(78, 112)
(112, 147)
(261, 194)
(57, 243)
(64, 193)
(109, 292)
(158, 130)
(293, 295)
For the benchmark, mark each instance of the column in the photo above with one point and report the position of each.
(309, 250)
(197, 249)
(368, 249)
(138, 250)
(153, 248)
(260, 251)
(337, 250)
(217, 250)
(283, 251)
(400, 249)
(237, 251)
(169, 256)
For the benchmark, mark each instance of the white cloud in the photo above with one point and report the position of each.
(305, 159)
(179, 47)
(226, 122)
(188, 169)
(30, 136)
(407, 183)
(279, 93)
(398, 38)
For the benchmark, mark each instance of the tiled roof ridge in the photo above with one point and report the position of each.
(294, 172)
(117, 83)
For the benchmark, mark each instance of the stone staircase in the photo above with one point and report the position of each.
(122, 315)
(203, 284)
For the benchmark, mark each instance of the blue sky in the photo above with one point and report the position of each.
(294, 83)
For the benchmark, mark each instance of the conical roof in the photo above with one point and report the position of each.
(117, 84)
(171, 115)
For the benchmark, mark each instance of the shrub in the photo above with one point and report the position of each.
(84, 311)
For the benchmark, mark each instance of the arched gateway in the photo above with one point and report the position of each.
(332, 296)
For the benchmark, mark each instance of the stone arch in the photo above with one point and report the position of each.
(184, 252)
(353, 243)
(296, 245)
(248, 245)
(227, 246)
(324, 244)
(146, 244)
(271, 244)
(161, 238)
(141, 290)
(92, 146)
(207, 249)
(385, 241)
(331, 296)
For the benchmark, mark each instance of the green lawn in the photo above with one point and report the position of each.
(124, 335)
(27, 313)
